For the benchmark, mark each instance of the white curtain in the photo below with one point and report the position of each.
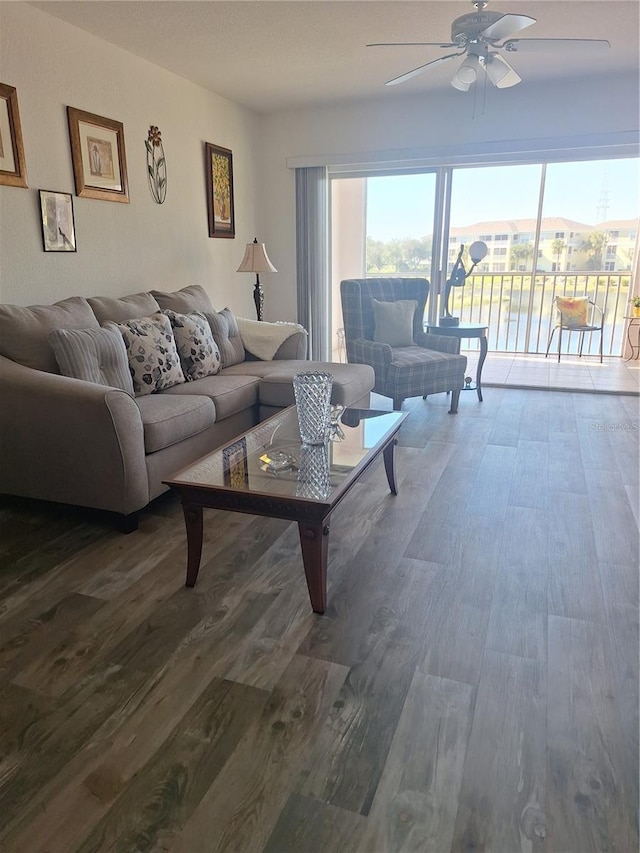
(312, 250)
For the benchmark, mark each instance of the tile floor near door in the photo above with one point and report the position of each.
(516, 370)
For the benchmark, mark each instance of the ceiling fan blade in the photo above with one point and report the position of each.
(534, 45)
(505, 26)
(500, 72)
(421, 68)
(412, 44)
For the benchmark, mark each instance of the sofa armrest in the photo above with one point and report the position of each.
(441, 343)
(294, 347)
(70, 441)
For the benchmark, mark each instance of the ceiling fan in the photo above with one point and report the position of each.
(478, 37)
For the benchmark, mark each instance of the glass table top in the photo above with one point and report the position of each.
(269, 458)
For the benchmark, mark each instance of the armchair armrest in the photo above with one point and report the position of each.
(379, 356)
(441, 343)
(70, 441)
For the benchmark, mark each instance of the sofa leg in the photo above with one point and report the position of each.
(127, 523)
(455, 396)
(397, 404)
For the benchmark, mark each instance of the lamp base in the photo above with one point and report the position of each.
(258, 298)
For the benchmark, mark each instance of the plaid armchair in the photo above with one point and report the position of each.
(431, 366)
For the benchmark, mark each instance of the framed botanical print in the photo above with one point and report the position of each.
(13, 169)
(98, 155)
(58, 228)
(219, 167)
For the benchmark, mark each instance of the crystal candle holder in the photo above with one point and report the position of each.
(312, 392)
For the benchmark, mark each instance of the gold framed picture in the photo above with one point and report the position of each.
(235, 464)
(13, 168)
(222, 218)
(98, 155)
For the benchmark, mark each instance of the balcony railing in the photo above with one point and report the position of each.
(520, 316)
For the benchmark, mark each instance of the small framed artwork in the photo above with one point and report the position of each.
(222, 219)
(98, 155)
(235, 466)
(13, 169)
(58, 228)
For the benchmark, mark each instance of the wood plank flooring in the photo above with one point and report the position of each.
(473, 685)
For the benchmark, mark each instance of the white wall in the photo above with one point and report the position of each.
(399, 128)
(122, 248)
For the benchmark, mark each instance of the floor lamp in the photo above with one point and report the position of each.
(256, 260)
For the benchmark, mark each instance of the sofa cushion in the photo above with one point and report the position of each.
(151, 349)
(393, 322)
(184, 301)
(230, 393)
(227, 335)
(94, 355)
(351, 382)
(123, 308)
(169, 419)
(24, 332)
(198, 351)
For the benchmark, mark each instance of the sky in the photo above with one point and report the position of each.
(402, 206)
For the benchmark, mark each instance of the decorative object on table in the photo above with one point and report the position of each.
(235, 465)
(219, 164)
(312, 392)
(256, 260)
(13, 168)
(635, 305)
(335, 416)
(477, 252)
(98, 155)
(58, 229)
(156, 165)
(313, 473)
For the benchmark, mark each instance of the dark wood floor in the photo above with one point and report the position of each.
(473, 685)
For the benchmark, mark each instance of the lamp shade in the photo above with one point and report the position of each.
(256, 259)
(467, 73)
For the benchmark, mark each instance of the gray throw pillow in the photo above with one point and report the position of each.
(94, 355)
(199, 354)
(393, 322)
(151, 349)
(227, 335)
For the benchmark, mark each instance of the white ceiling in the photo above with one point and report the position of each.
(271, 55)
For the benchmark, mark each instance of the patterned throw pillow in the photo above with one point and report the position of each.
(573, 310)
(198, 351)
(93, 355)
(227, 335)
(153, 358)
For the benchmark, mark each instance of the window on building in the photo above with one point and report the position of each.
(609, 266)
(612, 251)
(502, 250)
(501, 238)
(486, 238)
(613, 235)
(559, 235)
(539, 253)
(499, 267)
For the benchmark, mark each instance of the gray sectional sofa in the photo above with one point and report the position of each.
(90, 444)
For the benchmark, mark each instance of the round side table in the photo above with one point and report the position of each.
(635, 348)
(466, 330)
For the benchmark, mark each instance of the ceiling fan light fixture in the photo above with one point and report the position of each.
(467, 73)
(496, 70)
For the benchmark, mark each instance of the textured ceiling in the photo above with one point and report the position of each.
(271, 55)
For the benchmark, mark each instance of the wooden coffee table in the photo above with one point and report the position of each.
(240, 477)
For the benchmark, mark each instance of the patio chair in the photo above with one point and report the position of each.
(383, 325)
(576, 314)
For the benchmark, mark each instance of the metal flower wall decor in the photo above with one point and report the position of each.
(156, 165)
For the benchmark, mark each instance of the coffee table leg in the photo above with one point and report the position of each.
(314, 541)
(193, 523)
(390, 465)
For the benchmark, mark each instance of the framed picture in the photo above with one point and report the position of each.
(98, 155)
(234, 464)
(13, 169)
(222, 218)
(58, 229)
